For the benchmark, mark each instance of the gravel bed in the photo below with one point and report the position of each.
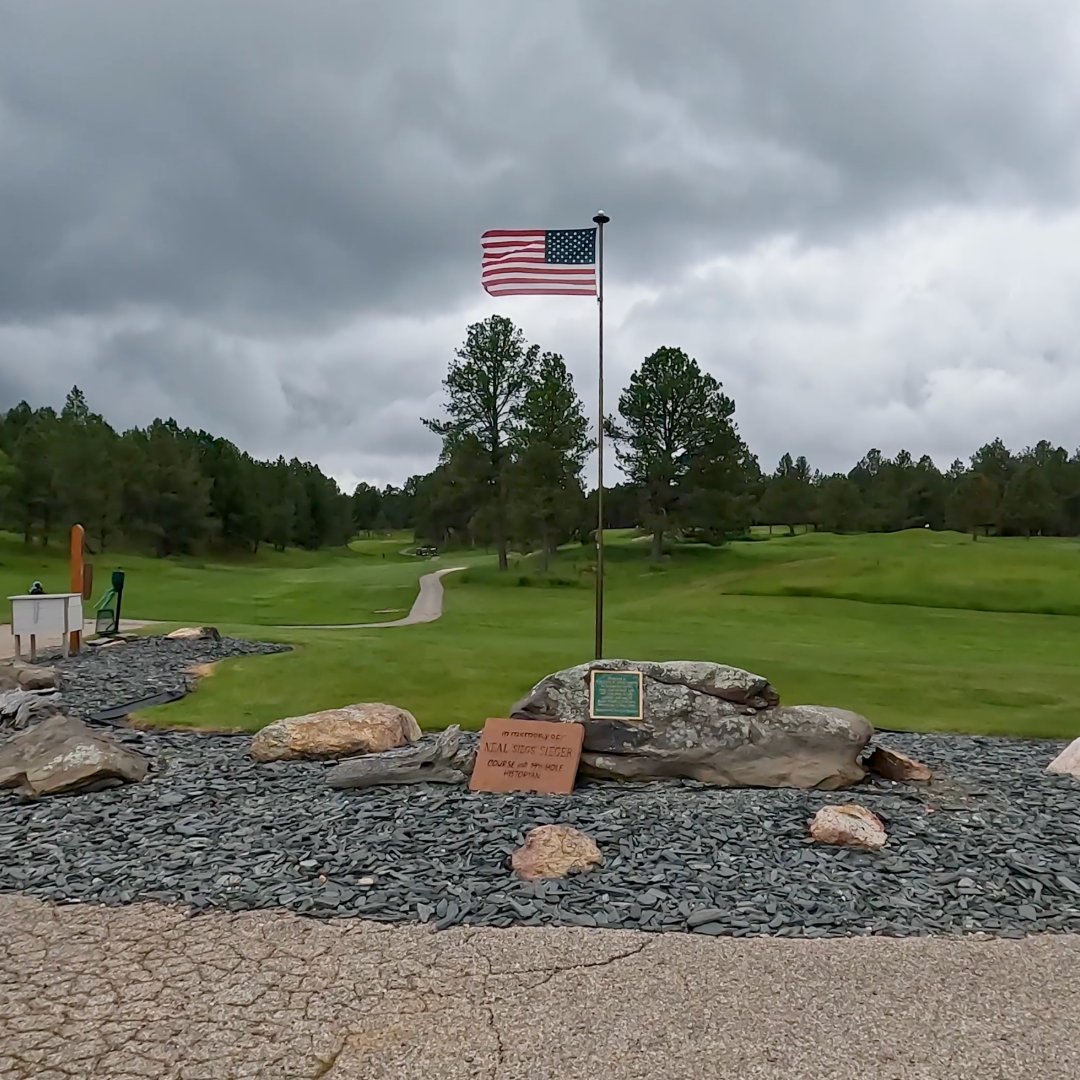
(95, 679)
(992, 847)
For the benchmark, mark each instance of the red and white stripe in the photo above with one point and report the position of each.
(514, 265)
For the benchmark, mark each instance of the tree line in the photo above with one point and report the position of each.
(515, 441)
(170, 489)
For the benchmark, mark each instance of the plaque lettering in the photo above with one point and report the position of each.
(615, 695)
(527, 755)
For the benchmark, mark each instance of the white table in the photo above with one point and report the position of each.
(45, 615)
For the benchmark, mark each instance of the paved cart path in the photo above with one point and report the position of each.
(144, 991)
(427, 607)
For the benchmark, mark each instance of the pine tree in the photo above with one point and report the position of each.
(486, 383)
(839, 507)
(669, 412)
(550, 442)
(364, 507)
(35, 504)
(975, 504)
(175, 495)
(88, 486)
(1028, 505)
(788, 497)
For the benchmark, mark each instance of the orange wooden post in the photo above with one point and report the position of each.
(77, 534)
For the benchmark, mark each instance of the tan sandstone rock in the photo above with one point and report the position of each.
(195, 633)
(368, 728)
(1068, 761)
(892, 765)
(553, 851)
(848, 825)
(16, 675)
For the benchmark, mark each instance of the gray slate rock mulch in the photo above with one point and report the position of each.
(95, 679)
(993, 846)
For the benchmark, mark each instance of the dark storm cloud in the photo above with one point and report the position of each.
(264, 218)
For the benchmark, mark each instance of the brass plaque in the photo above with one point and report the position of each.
(615, 695)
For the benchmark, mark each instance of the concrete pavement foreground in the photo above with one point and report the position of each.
(144, 991)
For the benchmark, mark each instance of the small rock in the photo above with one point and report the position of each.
(705, 915)
(848, 825)
(334, 733)
(195, 633)
(892, 765)
(552, 851)
(1067, 762)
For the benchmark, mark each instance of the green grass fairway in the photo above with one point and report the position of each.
(272, 588)
(922, 631)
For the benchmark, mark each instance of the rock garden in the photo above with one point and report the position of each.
(721, 811)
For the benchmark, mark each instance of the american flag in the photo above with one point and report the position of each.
(539, 262)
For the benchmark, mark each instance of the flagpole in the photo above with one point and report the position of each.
(601, 220)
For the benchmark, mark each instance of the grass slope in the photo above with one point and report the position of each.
(271, 588)
(919, 630)
(896, 627)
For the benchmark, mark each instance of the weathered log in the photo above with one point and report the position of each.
(441, 760)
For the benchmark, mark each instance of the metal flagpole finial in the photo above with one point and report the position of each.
(601, 218)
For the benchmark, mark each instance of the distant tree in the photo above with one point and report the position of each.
(622, 510)
(1028, 505)
(168, 498)
(484, 387)
(839, 508)
(87, 484)
(365, 506)
(975, 504)
(720, 491)
(445, 501)
(926, 494)
(34, 501)
(8, 475)
(550, 442)
(669, 413)
(995, 461)
(788, 496)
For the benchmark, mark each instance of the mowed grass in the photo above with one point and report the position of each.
(360, 583)
(920, 630)
(895, 627)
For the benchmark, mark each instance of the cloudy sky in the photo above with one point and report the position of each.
(264, 218)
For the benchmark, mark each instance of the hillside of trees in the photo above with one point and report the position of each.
(515, 441)
(168, 489)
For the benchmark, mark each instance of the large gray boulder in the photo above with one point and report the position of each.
(62, 756)
(708, 722)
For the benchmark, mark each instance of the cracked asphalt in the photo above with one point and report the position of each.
(144, 991)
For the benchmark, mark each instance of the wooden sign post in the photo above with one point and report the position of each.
(615, 695)
(77, 581)
(527, 755)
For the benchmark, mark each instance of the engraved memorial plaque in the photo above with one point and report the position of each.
(527, 755)
(615, 695)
